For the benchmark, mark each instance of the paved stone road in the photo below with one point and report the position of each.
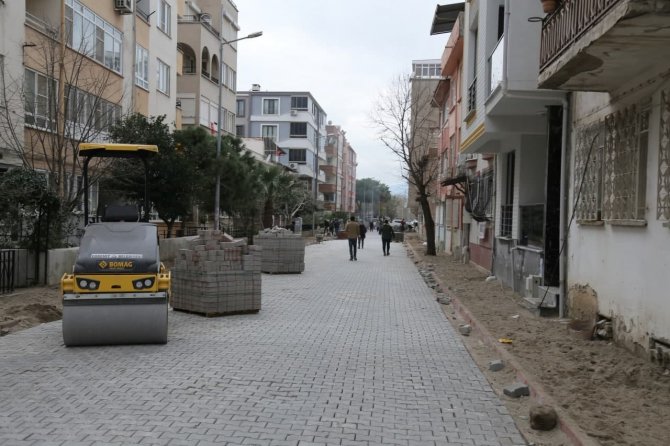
(345, 353)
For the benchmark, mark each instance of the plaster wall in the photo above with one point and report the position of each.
(626, 266)
(523, 46)
(12, 16)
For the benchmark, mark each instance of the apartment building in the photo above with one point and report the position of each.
(349, 164)
(336, 142)
(295, 122)
(506, 114)
(73, 68)
(203, 24)
(612, 57)
(11, 78)
(424, 117)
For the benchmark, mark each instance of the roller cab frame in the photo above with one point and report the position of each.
(118, 291)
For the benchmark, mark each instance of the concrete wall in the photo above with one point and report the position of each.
(626, 266)
(60, 261)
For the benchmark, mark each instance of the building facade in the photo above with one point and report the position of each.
(73, 68)
(349, 164)
(332, 188)
(424, 133)
(295, 122)
(614, 61)
(202, 25)
(506, 114)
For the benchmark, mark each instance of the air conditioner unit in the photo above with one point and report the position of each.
(294, 112)
(293, 165)
(123, 6)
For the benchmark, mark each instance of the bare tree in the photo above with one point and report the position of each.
(65, 98)
(407, 126)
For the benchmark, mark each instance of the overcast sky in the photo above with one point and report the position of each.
(342, 51)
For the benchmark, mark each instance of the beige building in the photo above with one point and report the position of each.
(336, 141)
(202, 25)
(112, 59)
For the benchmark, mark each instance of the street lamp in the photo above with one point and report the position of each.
(217, 193)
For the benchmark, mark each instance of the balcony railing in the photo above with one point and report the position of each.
(472, 95)
(569, 23)
(196, 19)
(496, 65)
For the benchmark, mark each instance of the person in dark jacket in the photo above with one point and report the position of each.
(361, 235)
(387, 235)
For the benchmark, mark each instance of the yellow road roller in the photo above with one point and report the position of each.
(118, 291)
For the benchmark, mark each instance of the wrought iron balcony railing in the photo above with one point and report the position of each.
(569, 23)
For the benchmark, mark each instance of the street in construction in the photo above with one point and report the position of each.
(344, 353)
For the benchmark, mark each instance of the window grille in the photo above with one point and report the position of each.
(663, 198)
(625, 159)
(611, 159)
(589, 167)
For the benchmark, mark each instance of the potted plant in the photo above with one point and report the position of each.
(549, 6)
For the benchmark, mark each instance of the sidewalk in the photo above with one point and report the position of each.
(344, 353)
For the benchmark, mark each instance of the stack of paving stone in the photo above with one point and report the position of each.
(283, 251)
(217, 275)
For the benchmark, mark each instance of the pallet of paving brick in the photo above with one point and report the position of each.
(217, 275)
(283, 252)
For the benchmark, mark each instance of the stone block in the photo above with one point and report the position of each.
(465, 330)
(543, 418)
(496, 366)
(516, 390)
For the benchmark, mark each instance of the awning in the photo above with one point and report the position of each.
(445, 17)
(454, 180)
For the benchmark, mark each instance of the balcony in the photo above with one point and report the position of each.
(327, 188)
(598, 45)
(328, 169)
(496, 65)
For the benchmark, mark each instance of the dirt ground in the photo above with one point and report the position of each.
(27, 307)
(616, 397)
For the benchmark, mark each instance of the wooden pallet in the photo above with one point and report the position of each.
(215, 314)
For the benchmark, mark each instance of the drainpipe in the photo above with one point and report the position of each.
(562, 232)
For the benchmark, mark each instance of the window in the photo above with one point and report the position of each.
(87, 111)
(141, 67)
(40, 100)
(270, 132)
(228, 77)
(241, 108)
(299, 103)
(163, 77)
(270, 106)
(610, 166)
(298, 130)
(297, 156)
(164, 17)
(507, 207)
(93, 36)
(239, 131)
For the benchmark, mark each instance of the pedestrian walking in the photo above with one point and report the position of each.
(372, 225)
(331, 228)
(326, 227)
(337, 227)
(387, 235)
(361, 235)
(353, 230)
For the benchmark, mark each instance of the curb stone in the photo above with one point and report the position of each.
(566, 423)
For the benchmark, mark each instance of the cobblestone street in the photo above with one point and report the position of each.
(344, 353)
